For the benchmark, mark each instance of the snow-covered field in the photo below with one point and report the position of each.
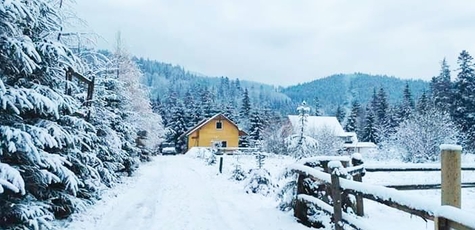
(184, 192)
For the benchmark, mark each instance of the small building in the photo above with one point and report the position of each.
(315, 124)
(217, 131)
(331, 125)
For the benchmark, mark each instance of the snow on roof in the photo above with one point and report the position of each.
(361, 145)
(317, 123)
(205, 121)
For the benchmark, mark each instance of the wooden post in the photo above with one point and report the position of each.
(450, 173)
(69, 78)
(336, 196)
(221, 165)
(359, 197)
(355, 161)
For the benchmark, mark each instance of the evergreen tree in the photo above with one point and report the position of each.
(352, 120)
(51, 163)
(245, 111)
(318, 107)
(423, 105)
(407, 105)
(191, 110)
(381, 107)
(464, 101)
(369, 130)
(441, 87)
(207, 104)
(340, 114)
(256, 129)
(303, 111)
(178, 127)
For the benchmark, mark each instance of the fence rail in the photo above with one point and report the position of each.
(444, 217)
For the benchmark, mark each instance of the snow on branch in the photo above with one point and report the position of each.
(15, 140)
(11, 179)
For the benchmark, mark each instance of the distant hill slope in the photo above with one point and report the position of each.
(162, 78)
(341, 89)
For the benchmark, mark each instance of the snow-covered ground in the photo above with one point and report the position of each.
(183, 192)
(180, 192)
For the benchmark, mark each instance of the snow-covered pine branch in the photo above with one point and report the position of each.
(11, 179)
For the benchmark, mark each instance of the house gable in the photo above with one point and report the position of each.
(216, 130)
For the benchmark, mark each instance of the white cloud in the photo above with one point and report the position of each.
(286, 42)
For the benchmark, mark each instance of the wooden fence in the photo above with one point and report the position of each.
(330, 176)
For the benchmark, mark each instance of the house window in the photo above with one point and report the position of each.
(224, 144)
(219, 125)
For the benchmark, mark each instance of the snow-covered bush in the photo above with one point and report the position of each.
(418, 138)
(287, 193)
(238, 173)
(301, 146)
(259, 181)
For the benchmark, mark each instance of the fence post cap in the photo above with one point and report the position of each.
(335, 164)
(451, 147)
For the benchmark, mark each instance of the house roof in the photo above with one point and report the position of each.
(316, 123)
(205, 121)
(361, 145)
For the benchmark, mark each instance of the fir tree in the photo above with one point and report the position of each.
(178, 127)
(340, 114)
(464, 102)
(303, 111)
(381, 107)
(245, 111)
(423, 104)
(407, 105)
(256, 129)
(352, 120)
(369, 130)
(318, 107)
(442, 87)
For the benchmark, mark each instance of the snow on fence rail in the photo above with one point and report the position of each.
(445, 217)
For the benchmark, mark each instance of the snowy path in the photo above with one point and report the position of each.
(178, 192)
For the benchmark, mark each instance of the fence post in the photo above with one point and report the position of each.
(450, 173)
(220, 164)
(356, 160)
(336, 193)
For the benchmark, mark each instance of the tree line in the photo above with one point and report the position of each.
(57, 153)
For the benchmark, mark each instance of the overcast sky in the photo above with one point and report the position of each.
(285, 42)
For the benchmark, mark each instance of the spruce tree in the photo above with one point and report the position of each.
(318, 107)
(256, 128)
(442, 88)
(48, 165)
(340, 114)
(423, 105)
(353, 118)
(464, 101)
(381, 107)
(369, 130)
(245, 110)
(407, 105)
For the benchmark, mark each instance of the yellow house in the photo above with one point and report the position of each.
(217, 131)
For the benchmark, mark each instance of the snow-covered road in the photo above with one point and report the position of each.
(179, 192)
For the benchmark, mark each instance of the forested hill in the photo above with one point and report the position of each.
(342, 89)
(164, 78)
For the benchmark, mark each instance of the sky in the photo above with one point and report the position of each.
(284, 42)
